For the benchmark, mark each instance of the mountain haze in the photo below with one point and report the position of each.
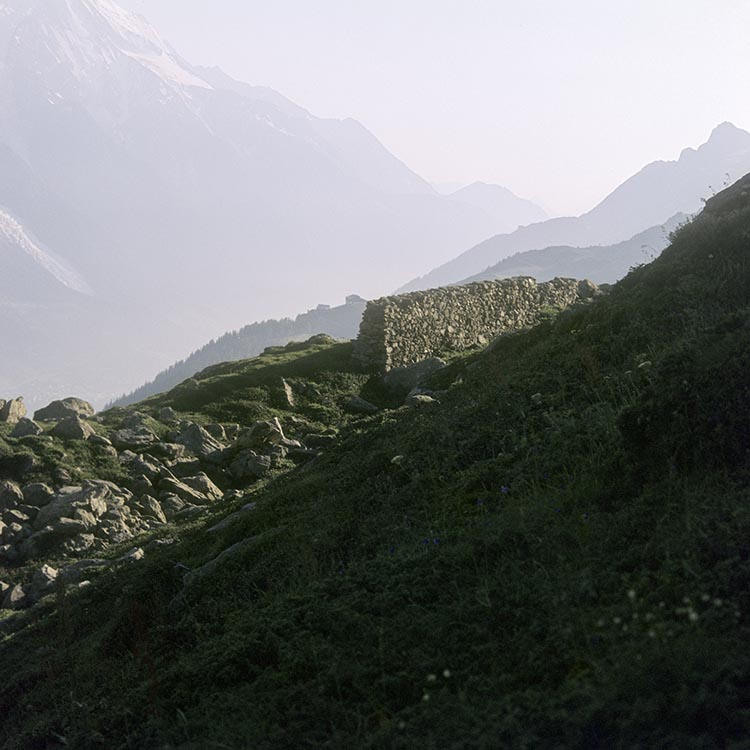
(186, 200)
(602, 264)
(508, 209)
(649, 198)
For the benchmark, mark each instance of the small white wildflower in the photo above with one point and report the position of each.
(652, 633)
(718, 602)
(705, 598)
(431, 678)
(631, 595)
(446, 673)
(617, 620)
(693, 616)
(426, 697)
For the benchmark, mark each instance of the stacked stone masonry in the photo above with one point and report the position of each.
(402, 330)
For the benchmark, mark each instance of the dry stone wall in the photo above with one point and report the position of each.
(402, 330)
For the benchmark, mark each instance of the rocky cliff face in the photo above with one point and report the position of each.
(402, 330)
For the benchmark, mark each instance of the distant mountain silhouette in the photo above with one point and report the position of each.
(602, 264)
(659, 191)
(507, 209)
(340, 322)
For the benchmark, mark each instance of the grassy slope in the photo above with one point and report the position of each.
(558, 557)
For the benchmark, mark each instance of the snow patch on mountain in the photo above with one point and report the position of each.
(13, 233)
(168, 69)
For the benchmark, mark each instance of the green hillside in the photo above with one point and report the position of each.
(555, 555)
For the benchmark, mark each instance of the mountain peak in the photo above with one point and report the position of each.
(88, 35)
(728, 135)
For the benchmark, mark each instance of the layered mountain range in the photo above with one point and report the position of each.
(148, 205)
(649, 198)
(184, 200)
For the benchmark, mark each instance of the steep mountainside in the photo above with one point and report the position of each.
(550, 551)
(210, 202)
(649, 198)
(601, 264)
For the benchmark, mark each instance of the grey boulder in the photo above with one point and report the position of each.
(67, 407)
(73, 428)
(404, 379)
(26, 428)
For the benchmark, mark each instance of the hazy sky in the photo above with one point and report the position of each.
(559, 101)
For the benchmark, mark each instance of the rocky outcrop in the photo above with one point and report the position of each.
(26, 428)
(73, 428)
(403, 330)
(67, 407)
(12, 411)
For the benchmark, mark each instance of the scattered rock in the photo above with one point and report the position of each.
(76, 514)
(172, 505)
(319, 441)
(134, 555)
(404, 379)
(188, 512)
(262, 435)
(76, 572)
(288, 394)
(167, 415)
(16, 516)
(187, 492)
(73, 428)
(150, 467)
(42, 583)
(10, 495)
(229, 520)
(249, 465)
(358, 405)
(15, 598)
(197, 440)
(13, 411)
(217, 431)
(420, 400)
(152, 509)
(134, 439)
(78, 544)
(141, 485)
(26, 428)
(38, 495)
(201, 483)
(100, 440)
(67, 407)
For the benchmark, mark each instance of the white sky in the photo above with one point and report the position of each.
(559, 100)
